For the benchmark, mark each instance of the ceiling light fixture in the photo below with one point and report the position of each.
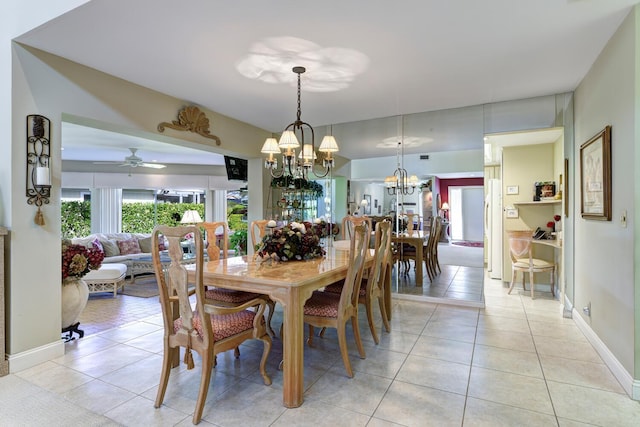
(296, 168)
(400, 182)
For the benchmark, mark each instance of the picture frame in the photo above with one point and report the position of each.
(367, 208)
(595, 177)
(513, 189)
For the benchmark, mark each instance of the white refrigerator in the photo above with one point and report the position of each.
(493, 228)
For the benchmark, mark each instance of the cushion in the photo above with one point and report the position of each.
(145, 244)
(96, 244)
(110, 248)
(129, 246)
(223, 325)
(107, 272)
(322, 304)
(229, 295)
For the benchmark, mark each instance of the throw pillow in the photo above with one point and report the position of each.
(129, 246)
(145, 245)
(96, 244)
(110, 248)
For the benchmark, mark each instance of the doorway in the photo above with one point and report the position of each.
(466, 218)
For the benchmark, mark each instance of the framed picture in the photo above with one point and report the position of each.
(595, 176)
(513, 189)
(367, 208)
(375, 203)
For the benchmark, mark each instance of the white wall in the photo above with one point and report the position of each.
(605, 275)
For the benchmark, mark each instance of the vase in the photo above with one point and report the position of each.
(75, 294)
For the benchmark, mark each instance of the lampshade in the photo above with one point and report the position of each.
(445, 206)
(270, 146)
(307, 152)
(191, 217)
(364, 202)
(288, 140)
(328, 145)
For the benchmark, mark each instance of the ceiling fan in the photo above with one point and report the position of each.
(133, 161)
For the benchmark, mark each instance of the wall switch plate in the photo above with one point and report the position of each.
(623, 219)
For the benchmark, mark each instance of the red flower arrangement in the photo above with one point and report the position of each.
(296, 241)
(78, 260)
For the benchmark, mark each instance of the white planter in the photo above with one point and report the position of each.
(75, 295)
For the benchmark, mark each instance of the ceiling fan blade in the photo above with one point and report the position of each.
(152, 165)
(107, 163)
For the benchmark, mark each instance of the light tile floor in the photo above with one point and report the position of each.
(515, 362)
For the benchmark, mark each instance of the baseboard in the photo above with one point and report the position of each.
(436, 300)
(631, 386)
(35, 356)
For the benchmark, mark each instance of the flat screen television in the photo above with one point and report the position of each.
(236, 168)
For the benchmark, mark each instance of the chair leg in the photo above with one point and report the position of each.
(164, 375)
(236, 352)
(272, 308)
(532, 284)
(342, 343)
(383, 312)
(356, 335)
(553, 276)
(310, 339)
(372, 327)
(266, 339)
(205, 379)
(513, 281)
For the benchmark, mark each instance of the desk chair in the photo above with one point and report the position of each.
(521, 252)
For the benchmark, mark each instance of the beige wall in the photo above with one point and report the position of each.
(606, 273)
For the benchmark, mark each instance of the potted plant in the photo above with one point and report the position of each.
(77, 261)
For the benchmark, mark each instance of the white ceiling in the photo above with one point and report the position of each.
(365, 59)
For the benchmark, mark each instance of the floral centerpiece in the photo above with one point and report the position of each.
(78, 260)
(321, 228)
(296, 241)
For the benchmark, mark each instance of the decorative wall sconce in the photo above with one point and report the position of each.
(38, 168)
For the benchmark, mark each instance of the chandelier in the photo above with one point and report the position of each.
(298, 168)
(400, 182)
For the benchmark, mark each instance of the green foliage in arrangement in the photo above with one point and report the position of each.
(136, 217)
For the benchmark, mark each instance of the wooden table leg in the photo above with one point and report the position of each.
(293, 348)
(419, 262)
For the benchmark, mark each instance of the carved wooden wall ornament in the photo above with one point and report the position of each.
(191, 119)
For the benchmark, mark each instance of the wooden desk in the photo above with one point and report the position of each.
(415, 239)
(290, 284)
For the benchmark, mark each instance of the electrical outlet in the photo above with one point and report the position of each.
(587, 309)
(623, 219)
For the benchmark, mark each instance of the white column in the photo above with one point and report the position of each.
(106, 210)
(218, 208)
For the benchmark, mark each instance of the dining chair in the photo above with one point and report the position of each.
(258, 230)
(413, 222)
(208, 329)
(329, 310)
(349, 222)
(222, 296)
(372, 287)
(521, 253)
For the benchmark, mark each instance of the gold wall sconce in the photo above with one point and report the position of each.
(38, 183)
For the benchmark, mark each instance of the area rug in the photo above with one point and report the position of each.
(144, 287)
(468, 243)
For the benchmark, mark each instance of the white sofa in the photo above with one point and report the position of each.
(112, 242)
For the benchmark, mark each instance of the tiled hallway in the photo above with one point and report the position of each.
(516, 362)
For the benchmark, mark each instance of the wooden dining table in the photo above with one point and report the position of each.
(415, 238)
(289, 283)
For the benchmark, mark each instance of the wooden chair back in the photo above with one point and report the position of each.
(520, 245)
(414, 221)
(258, 230)
(349, 222)
(378, 277)
(217, 247)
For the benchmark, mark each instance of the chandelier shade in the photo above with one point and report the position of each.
(291, 139)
